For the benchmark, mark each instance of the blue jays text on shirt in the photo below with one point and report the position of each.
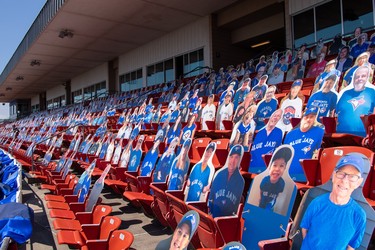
(227, 194)
(303, 140)
(260, 145)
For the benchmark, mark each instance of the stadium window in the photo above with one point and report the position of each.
(328, 19)
(49, 104)
(150, 75)
(193, 60)
(159, 73)
(101, 89)
(303, 26)
(357, 14)
(77, 96)
(169, 71)
(131, 80)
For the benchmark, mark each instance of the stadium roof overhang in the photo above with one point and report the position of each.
(102, 30)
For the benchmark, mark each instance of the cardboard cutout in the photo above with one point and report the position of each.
(135, 155)
(180, 167)
(266, 141)
(150, 159)
(265, 108)
(355, 100)
(306, 138)
(227, 186)
(199, 181)
(326, 98)
(163, 167)
(243, 131)
(182, 235)
(270, 200)
(261, 88)
(291, 106)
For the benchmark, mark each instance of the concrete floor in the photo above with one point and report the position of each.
(147, 231)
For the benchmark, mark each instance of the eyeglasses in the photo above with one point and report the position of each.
(351, 177)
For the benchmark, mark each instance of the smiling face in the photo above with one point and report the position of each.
(180, 238)
(234, 161)
(328, 85)
(275, 118)
(307, 122)
(343, 188)
(343, 53)
(207, 154)
(360, 78)
(277, 169)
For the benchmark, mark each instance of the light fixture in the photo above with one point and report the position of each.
(66, 33)
(35, 63)
(8, 89)
(2, 94)
(19, 78)
(259, 44)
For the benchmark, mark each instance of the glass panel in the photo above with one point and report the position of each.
(328, 20)
(159, 73)
(169, 72)
(357, 14)
(303, 25)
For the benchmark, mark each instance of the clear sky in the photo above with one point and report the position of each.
(16, 17)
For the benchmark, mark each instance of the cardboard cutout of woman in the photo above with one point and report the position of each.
(180, 167)
(243, 131)
(199, 181)
(135, 155)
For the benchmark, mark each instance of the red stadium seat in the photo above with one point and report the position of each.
(119, 239)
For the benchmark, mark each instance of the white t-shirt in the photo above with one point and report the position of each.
(290, 108)
(208, 114)
(226, 111)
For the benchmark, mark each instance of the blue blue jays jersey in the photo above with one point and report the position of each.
(177, 176)
(269, 192)
(173, 133)
(325, 101)
(134, 160)
(264, 111)
(187, 133)
(198, 180)
(304, 145)
(225, 194)
(350, 107)
(163, 167)
(263, 144)
(149, 161)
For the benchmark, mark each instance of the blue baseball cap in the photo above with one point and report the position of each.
(234, 245)
(212, 146)
(353, 160)
(277, 66)
(312, 110)
(297, 82)
(238, 149)
(191, 218)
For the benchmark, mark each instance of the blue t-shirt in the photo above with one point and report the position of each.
(149, 161)
(264, 111)
(304, 145)
(357, 49)
(269, 192)
(173, 133)
(239, 97)
(192, 102)
(177, 176)
(350, 107)
(323, 217)
(163, 167)
(187, 133)
(263, 144)
(225, 195)
(198, 180)
(134, 160)
(325, 101)
(260, 91)
(174, 115)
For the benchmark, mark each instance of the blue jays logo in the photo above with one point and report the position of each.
(186, 135)
(289, 113)
(306, 149)
(357, 101)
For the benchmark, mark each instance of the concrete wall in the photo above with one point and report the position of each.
(186, 39)
(91, 77)
(34, 100)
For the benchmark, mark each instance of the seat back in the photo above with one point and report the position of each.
(357, 195)
(100, 212)
(120, 239)
(96, 190)
(109, 224)
(195, 149)
(221, 153)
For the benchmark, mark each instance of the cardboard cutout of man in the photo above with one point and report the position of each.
(243, 131)
(355, 100)
(165, 162)
(265, 142)
(180, 167)
(201, 175)
(266, 107)
(306, 138)
(227, 186)
(326, 98)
